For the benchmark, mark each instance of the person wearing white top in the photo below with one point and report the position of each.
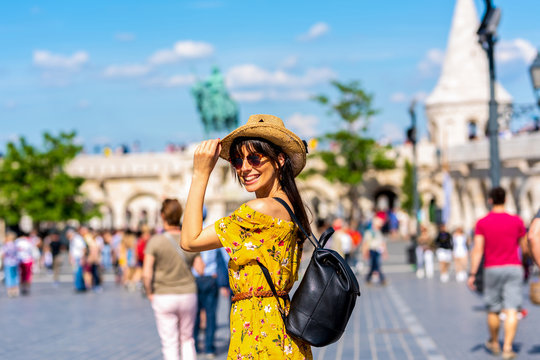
(461, 254)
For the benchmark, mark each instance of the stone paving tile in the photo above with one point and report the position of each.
(409, 319)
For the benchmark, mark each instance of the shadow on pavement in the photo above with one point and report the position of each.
(534, 350)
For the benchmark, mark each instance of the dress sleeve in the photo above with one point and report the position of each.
(248, 235)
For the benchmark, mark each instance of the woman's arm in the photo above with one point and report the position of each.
(194, 238)
(148, 274)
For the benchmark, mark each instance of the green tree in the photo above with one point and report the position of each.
(407, 189)
(348, 152)
(34, 182)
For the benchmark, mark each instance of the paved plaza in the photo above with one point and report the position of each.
(408, 319)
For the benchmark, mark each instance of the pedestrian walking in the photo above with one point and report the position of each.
(266, 157)
(25, 252)
(207, 301)
(10, 261)
(444, 244)
(55, 244)
(424, 254)
(374, 248)
(127, 260)
(461, 254)
(341, 240)
(497, 237)
(170, 285)
(77, 254)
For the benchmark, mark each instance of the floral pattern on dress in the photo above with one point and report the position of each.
(257, 329)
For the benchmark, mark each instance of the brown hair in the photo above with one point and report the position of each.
(285, 173)
(171, 210)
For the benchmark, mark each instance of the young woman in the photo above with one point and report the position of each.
(170, 285)
(461, 254)
(266, 157)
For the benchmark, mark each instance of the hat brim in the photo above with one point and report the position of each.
(291, 144)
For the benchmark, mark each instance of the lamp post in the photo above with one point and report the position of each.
(411, 135)
(535, 77)
(486, 34)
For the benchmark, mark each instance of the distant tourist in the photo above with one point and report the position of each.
(424, 254)
(170, 285)
(461, 254)
(10, 261)
(25, 253)
(444, 244)
(77, 253)
(374, 248)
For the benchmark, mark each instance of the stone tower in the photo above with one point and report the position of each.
(457, 109)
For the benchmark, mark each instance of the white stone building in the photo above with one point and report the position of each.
(130, 187)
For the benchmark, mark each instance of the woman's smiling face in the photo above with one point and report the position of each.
(260, 177)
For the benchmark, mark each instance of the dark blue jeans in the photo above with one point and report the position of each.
(207, 298)
(375, 265)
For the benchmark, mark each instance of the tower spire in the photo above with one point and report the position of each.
(464, 76)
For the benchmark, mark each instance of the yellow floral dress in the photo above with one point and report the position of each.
(257, 329)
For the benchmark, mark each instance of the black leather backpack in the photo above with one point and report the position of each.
(324, 301)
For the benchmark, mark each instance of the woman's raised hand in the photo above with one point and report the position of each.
(205, 157)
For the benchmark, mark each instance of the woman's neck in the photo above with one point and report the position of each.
(276, 191)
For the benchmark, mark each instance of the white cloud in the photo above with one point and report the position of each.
(304, 125)
(124, 36)
(251, 75)
(315, 31)
(126, 71)
(516, 49)
(182, 50)
(431, 63)
(173, 81)
(47, 60)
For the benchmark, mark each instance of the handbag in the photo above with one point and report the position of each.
(323, 303)
(534, 292)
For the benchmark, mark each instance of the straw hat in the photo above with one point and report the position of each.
(271, 128)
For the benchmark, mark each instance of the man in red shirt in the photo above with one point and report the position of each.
(498, 237)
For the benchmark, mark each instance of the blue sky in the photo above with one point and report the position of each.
(121, 71)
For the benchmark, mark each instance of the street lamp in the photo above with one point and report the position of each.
(535, 77)
(486, 36)
(411, 135)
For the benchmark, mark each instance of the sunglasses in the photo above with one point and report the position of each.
(253, 159)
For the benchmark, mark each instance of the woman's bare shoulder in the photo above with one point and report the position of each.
(270, 207)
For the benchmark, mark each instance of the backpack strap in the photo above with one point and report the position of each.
(311, 238)
(176, 246)
(273, 288)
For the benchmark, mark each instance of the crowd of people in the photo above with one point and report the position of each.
(181, 268)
